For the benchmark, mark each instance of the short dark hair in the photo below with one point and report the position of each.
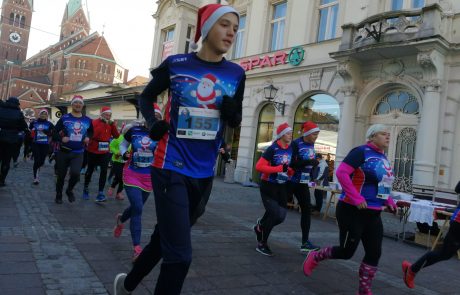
(318, 156)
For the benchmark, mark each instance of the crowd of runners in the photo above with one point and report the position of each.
(172, 153)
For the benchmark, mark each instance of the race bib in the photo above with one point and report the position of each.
(304, 177)
(41, 137)
(282, 177)
(197, 123)
(143, 159)
(103, 146)
(76, 137)
(384, 187)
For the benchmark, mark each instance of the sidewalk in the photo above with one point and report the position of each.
(69, 249)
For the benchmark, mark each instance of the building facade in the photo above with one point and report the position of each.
(344, 64)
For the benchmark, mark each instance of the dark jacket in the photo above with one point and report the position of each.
(457, 188)
(11, 122)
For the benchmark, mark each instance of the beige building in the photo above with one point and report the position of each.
(344, 64)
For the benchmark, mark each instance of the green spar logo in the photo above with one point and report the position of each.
(296, 56)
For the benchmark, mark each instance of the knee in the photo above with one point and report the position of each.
(136, 209)
(281, 216)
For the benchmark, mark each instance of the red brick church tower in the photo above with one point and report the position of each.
(14, 30)
(74, 20)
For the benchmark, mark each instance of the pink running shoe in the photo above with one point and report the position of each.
(137, 252)
(120, 196)
(408, 274)
(118, 229)
(110, 192)
(310, 263)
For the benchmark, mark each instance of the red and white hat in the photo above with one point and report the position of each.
(282, 130)
(210, 78)
(106, 110)
(157, 109)
(76, 98)
(207, 17)
(309, 127)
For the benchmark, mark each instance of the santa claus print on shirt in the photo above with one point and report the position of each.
(206, 93)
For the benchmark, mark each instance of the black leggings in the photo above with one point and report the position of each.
(6, 154)
(450, 246)
(357, 225)
(64, 160)
(302, 193)
(274, 198)
(39, 151)
(17, 150)
(117, 169)
(101, 160)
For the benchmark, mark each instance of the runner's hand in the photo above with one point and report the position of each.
(158, 129)
(126, 156)
(362, 205)
(285, 167)
(86, 140)
(65, 139)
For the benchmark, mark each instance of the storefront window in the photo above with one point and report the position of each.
(264, 135)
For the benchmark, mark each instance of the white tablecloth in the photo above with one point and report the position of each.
(421, 211)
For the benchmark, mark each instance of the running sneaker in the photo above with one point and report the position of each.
(308, 246)
(310, 263)
(36, 181)
(85, 195)
(110, 192)
(70, 196)
(408, 274)
(118, 229)
(136, 252)
(118, 285)
(263, 249)
(258, 230)
(120, 196)
(100, 197)
(58, 199)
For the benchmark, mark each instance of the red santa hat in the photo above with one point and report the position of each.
(157, 108)
(43, 111)
(76, 98)
(282, 130)
(106, 110)
(207, 17)
(309, 127)
(210, 78)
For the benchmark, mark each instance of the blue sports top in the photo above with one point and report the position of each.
(77, 129)
(373, 176)
(277, 155)
(304, 151)
(196, 90)
(142, 149)
(42, 131)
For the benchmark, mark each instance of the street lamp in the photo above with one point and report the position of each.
(270, 94)
(9, 63)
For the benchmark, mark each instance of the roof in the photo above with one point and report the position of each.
(138, 80)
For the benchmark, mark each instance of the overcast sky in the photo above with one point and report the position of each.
(129, 29)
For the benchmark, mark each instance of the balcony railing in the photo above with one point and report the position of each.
(393, 26)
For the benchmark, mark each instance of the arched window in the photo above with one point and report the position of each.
(23, 21)
(12, 16)
(401, 101)
(264, 135)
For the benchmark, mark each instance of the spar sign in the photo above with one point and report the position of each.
(294, 57)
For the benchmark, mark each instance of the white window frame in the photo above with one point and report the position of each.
(165, 39)
(279, 44)
(189, 38)
(238, 47)
(406, 4)
(328, 33)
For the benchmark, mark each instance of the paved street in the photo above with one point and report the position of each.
(69, 249)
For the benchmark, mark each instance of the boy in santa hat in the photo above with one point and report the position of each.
(98, 151)
(303, 161)
(274, 166)
(187, 145)
(41, 130)
(73, 131)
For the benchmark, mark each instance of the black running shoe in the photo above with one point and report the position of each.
(308, 246)
(70, 196)
(263, 249)
(58, 199)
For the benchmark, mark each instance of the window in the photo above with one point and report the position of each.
(11, 20)
(278, 24)
(401, 101)
(188, 38)
(407, 4)
(168, 43)
(23, 21)
(238, 47)
(328, 11)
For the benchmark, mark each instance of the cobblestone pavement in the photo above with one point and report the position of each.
(69, 249)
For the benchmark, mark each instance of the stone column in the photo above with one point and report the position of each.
(428, 137)
(347, 124)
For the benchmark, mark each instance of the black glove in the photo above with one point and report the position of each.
(285, 167)
(226, 157)
(302, 163)
(159, 128)
(126, 156)
(228, 109)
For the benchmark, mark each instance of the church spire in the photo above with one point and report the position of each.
(74, 19)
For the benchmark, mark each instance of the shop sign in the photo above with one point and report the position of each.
(294, 57)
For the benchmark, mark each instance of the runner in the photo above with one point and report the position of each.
(137, 181)
(449, 248)
(303, 161)
(98, 151)
(41, 130)
(205, 94)
(11, 123)
(74, 130)
(366, 177)
(117, 166)
(274, 166)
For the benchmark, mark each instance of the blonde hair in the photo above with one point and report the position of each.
(373, 129)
